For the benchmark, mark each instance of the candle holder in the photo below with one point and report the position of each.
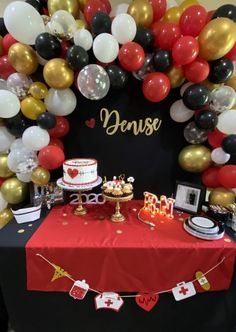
(118, 216)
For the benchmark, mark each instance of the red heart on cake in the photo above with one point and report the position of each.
(90, 123)
(146, 301)
(72, 172)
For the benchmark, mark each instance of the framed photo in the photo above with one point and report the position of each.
(189, 197)
(49, 195)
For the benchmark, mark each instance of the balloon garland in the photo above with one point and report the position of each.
(163, 47)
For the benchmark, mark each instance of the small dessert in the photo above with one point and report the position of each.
(118, 187)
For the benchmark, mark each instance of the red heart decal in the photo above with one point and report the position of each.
(72, 172)
(90, 123)
(146, 301)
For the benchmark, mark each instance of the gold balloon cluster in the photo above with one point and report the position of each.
(142, 12)
(195, 158)
(23, 58)
(71, 6)
(58, 74)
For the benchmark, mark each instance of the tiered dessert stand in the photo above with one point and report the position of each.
(80, 210)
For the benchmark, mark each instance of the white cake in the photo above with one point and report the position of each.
(80, 171)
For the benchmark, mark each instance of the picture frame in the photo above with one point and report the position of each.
(189, 197)
(49, 195)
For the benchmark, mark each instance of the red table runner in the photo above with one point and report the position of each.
(129, 256)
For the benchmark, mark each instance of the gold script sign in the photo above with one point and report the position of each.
(112, 123)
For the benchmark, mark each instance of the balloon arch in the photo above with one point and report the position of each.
(165, 48)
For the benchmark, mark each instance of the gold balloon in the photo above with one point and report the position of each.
(14, 191)
(231, 82)
(5, 172)
(176, 76)
(23, 58)
(6, 215)
(221, 196)
(1, 47)
(195, 158)
(188, 3)
(142, 12)
(38, 90)
(82, 4)
(173, 14)
(80, 24)
(211, 86)
(40, 176)
(58, 74)
(32, 107)
(217, 38)
(233, 107)
(71, 6)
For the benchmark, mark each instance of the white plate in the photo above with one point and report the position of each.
(71, 187)
(203, 225)
(203, 236)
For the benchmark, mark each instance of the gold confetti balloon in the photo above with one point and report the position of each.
(40, 176)
(14, 191)
(5, 172)
(6, 215)
(221, 196)
(23, 58)
(71, 6)
(58, 74)
(142, 12)
(195, 158)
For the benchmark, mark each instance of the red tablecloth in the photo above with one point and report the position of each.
(129, 256)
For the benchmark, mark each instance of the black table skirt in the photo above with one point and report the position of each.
(58, 312)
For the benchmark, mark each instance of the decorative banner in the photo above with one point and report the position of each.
(79, 289)
(108, 300)
(146, 301)
(204, 283)
(183, 290)
(59, 273)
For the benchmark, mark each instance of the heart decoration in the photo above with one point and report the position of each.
(72, 172)
(90, 123)
(146, 301)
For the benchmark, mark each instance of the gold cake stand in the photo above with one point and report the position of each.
(118, 216)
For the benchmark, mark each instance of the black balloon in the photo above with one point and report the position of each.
(3, 29)
(162, 60)
(220, 70)
(47, 46)
(196, 96)
(226, 11)
(118, 76)
(145, 38)
(36, 4)
(77, 57)
(100, 23)
(206, 120)
(229, 144)
(46, 120)
(17, 124)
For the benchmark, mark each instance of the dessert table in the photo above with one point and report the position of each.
(122, 257)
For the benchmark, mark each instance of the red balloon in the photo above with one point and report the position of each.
(7, 41)
(92, 7)
(155, 28)
(107, 5)
(57, 142)
(210, 177)
(51, 157)
(197, 71)
(210, 13)
(227, 176)
(159, 9)
(5, 67)
(215, 138)
(192, 20)
(168, 34)
(2, 180)
(231, 55)
(185, 50)
(61, 128)
(156, 86)
(65, 45)
(131, 56)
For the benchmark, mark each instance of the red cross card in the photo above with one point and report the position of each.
(183, 290)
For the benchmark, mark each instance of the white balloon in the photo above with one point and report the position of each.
(24, 177)
(123, 28)
(83, 38)
(60, 102)
(3, 203)
(41, 60)
(184, 87)
(4, 4)
(122, 8)
(17, 144)
(219, 156)
(17, 156)
(35, 138)
(23, 22)
(6, 139)
(105, 48)
(9, 104)
(179, 112)
(227, 122)
(63, 24)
